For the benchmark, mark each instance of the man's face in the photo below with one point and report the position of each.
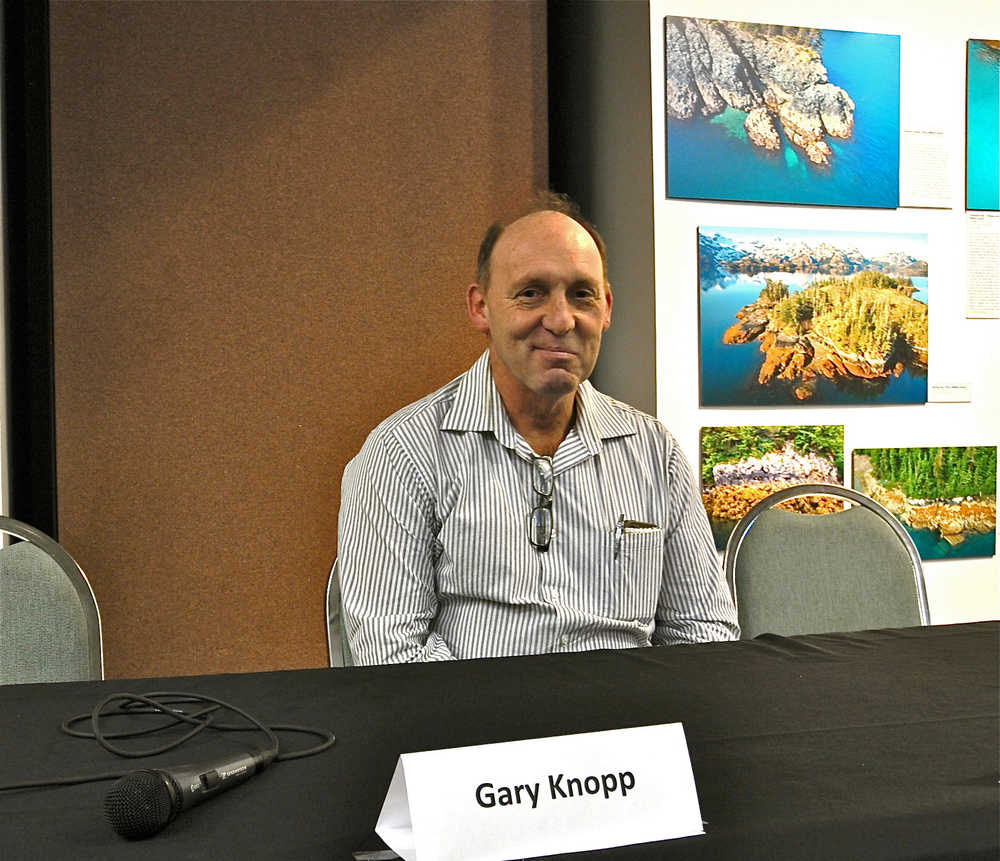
(545, 308)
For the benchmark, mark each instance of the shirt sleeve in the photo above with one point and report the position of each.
(385, 554)
(694, 602)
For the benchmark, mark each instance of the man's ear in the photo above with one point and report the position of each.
(610, 302)
(475, 299)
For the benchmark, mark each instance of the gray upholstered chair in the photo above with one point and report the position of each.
(851, 570)
(336, 632)
(50, 627)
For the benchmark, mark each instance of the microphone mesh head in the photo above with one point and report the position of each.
(139, 805)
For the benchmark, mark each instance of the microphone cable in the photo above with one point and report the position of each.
(176, 709)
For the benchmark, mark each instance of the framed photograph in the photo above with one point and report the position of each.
(781, 114)
(946, 497)
(982, 124)
(742, 465)
(812, 317)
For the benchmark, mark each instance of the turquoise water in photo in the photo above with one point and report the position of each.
(983, 140)
(714, 159)
(929, 543)
(729, 371)
(931, 546)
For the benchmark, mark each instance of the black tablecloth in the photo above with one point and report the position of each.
(871, 745)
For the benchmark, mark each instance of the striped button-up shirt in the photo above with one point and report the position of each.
(434, 551)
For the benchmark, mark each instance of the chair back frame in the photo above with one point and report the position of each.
(76, 577)
(746, 523)
(340, 652)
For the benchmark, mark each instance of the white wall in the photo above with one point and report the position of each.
(933, 48)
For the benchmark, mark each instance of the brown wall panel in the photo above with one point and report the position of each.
(264, 218)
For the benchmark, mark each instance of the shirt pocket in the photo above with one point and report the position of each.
(636, 575)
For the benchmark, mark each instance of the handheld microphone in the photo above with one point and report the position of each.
(143, 803)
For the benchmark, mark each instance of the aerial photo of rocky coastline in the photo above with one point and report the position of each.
(812, 317)
(742, 465)
(945, 497)
(781, 114)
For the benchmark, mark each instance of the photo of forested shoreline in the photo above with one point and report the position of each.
(945, 496)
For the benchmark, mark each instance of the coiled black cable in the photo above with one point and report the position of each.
(171, 706)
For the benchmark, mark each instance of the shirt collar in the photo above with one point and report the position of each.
(599, 417)
(478, 407)
(473, 407)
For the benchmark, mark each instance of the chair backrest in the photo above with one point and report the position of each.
(336, 631)
(852, 570)
(50, 627)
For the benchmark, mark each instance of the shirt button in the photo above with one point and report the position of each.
(564, 639)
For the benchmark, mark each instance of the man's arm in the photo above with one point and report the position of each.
(694, 603)
(386, 539)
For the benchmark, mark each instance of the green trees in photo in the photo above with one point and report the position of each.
(774, 291)
(731, 444)
(868, 313)
(936, 473)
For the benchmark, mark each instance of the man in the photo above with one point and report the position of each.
(517, 510)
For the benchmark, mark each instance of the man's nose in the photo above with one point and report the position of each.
(558, 317)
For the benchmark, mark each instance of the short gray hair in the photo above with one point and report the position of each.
(544, 201)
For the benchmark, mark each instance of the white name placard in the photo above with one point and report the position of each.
(543, 796)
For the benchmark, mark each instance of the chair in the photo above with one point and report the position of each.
(336, 632)
(852, 570)
(50, 627)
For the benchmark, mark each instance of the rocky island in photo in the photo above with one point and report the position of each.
(774, 74)
(866, 327)
(831, 322)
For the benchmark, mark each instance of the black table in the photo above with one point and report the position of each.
(872, 745)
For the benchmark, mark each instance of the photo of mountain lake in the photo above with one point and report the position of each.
(946, 497)
(742, 465)
(781, 114)
(812, 317)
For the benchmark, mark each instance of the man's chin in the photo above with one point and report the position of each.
(558, 382)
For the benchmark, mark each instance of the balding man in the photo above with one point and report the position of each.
(517, 510)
